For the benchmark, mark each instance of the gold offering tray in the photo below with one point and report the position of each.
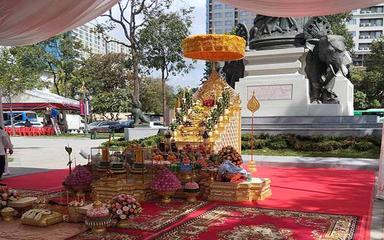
(254, 190)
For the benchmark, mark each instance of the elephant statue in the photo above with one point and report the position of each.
(139, 118)
(327, 57)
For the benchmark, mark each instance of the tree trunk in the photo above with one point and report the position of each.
(11, 112)
(163, 86)
(136, 80)
(1, 110)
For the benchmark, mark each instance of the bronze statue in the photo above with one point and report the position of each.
(139, 118)
(266, 25)
(234, 70)
(326, 58)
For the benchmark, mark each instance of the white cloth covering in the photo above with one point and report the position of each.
(24, 22)
(300, 8)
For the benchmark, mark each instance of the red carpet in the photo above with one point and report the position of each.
(49, 181)
(333, 192)
(309, 198)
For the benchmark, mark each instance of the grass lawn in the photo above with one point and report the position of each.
(346, 153)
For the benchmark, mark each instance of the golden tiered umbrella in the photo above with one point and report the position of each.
(214, 47)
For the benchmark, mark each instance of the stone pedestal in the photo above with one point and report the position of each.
(139, 132)
(275, 77)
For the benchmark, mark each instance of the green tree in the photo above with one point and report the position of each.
(61, 55)
(371, 81)
(151, 96)
(375, 60)
(20, 69)
(131, 16)
(338, 27)
(108, 83)
(162, 51)
(360, 100)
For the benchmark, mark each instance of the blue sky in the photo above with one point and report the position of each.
(192, 79)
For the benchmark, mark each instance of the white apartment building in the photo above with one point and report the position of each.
(365, 26)
(95, 42)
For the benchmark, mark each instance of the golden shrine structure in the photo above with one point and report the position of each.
(200, 117)
(210, 117)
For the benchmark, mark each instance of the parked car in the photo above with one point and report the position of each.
(104, 126)
(122, 124)
(33, 124)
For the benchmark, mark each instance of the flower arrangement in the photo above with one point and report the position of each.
(80, 176)
(165, 181)
(191, 187)
(124, 206)
(8, 194)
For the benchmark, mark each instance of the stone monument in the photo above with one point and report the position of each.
(295, 72)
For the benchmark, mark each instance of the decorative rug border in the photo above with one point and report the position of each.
(356, 220)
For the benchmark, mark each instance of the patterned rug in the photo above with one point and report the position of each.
(155, 217)
(246, 223)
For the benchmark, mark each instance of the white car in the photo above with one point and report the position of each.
(33, 124)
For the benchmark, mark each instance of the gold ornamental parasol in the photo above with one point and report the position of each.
(214, 47)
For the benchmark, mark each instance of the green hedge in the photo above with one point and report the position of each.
(282, 141)
(147, 142)
(317, 143)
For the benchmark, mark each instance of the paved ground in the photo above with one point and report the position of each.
(36, 154)
(39, 153)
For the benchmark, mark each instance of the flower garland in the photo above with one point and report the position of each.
(222, 103)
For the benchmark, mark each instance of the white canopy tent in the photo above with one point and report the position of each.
(33, 100)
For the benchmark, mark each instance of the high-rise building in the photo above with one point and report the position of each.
(95, 41)
(221, 18)
(365, 26)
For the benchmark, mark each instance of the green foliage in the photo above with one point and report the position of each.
(363, 146)
(371, 81)
(107, 80)
(151, 95)
(61, 56)
(130, 17)
(319, 143)
(161, 41)
(147, 142)
(338, 27)
(279, 144)
(360, 100)
(20, 69)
